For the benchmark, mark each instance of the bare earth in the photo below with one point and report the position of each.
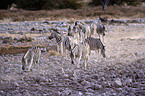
(121, 73)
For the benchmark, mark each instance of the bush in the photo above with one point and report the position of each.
(4, 4)
(118, 2)
(48, 4)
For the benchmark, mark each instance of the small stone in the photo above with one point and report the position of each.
(2, 93)
(80, 93)
(94, 76)
(66, 92)
(106, 84)
(127, 82)
(96, 86)
(89, 94)
(85, 83)
(16, 84)
(117, 83)
(120, 94)
(90, 90)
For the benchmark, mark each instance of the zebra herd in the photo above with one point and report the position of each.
(76, 44)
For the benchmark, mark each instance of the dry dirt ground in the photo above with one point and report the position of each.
(121, 73)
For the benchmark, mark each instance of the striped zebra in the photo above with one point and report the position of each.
(83, 28)
(81, 51)
(101, 31)
(70, 31)
(96, 44)
(32, 55)
(68, 47)
(59, 40)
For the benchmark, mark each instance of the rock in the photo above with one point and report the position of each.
(120, 94)
(96, 86)
(85, 83)
(57, 93)
(26, 93)
(16, 84)
(89, 94)
(94, 76)
(106, 84)
(2, 93)
(117, 82)
(80, 93)
(87, 77)
(90, 90)
(66, 92)
(127, 82)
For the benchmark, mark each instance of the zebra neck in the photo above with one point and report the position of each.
(58, 39)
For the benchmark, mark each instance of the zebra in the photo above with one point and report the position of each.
(81, 51)
(68, 46)
(32, 55)
(59, 40)
(101, 31)
(70, 31)
(82, 28)
(96, 44)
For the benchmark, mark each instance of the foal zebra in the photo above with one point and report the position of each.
(32, 55)
(96, 44)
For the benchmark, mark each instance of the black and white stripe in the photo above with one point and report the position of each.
(101, 30)
(96, 44)
(55, 35)
(32, 55)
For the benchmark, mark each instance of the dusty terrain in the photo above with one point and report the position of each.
(121, 73)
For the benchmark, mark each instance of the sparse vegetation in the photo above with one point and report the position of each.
(88, 12)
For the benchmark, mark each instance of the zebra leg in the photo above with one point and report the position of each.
(99, 36)
(79, 62)
(98, 56)
(61, 48)
(85, 63)
(103, 38)
(31, 62)
(24, 64)
(57, 48)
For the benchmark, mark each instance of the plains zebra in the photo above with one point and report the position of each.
(59, 40)
(32, 55)
(81, 51)
(68, 47)
(96, 44)
(83, 28)
(101, 31)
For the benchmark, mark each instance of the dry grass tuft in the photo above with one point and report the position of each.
(6, 20)
(52, 53)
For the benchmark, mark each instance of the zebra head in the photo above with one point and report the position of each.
(53, 35)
